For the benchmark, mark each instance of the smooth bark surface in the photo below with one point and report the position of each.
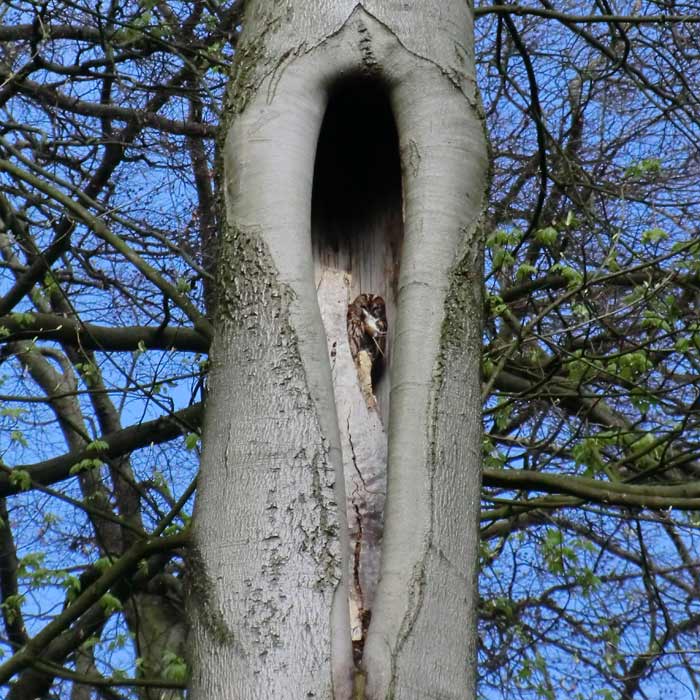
(271, 560)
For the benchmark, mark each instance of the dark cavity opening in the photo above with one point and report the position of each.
(357, 223)
(357, 176)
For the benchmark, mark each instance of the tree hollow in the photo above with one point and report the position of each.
(356, 207)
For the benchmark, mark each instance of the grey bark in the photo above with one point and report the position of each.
(269, 585)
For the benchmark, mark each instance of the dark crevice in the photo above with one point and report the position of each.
(356, 208)
(357, 176)
(357, 230)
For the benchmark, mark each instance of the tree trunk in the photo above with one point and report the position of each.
(354, 162)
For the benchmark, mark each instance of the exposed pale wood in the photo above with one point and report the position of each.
(364, 445)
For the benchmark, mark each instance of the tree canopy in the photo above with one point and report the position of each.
(591, 369)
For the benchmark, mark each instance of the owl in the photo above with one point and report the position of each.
(367, 326)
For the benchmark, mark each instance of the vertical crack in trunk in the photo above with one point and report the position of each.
(357, 234)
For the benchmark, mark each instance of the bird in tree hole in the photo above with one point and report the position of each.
(367, 327)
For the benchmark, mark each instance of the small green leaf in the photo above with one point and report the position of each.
(98, 446)
(587, 580)
(20, 478)
(502, 414)
(646, 166)
(84, 465)
(12, 412)
(12, 606)
(587, 453)
(23, 320)
(89, 643)
(172, 529)
(73, 587)
(572, 276)
(547, 236)
(18, 436)
(682, 344)
(174, 667)
(496, 304)
(110, 603)
(191, 441)
(502, 258)
(50, 283)
(654, 235)
(31, 563)
(525, 270)
(88, 371)
(103, 563)
(183, 285)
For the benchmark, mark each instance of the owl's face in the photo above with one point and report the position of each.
(367, 326)
(376, 306)
(372, 324)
